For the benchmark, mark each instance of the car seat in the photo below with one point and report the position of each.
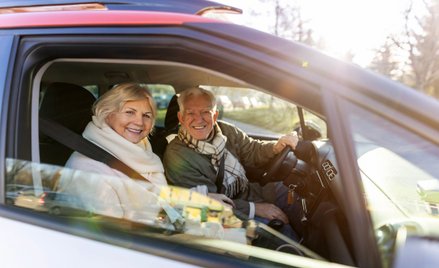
(160, 139)
(69, 105)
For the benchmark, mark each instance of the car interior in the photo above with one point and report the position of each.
(65, 83)
(65, 100)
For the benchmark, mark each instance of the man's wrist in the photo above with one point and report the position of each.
(251, 210)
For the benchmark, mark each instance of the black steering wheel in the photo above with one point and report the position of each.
(280, 167)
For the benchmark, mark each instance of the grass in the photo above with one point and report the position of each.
(160, 118)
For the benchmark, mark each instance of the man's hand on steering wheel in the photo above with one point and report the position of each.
(287, 140)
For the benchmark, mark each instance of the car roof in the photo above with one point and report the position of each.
(95, 18)
(177, 6)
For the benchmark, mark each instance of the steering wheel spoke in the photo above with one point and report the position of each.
(280, 167)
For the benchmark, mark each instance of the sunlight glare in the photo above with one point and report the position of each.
(357, 27)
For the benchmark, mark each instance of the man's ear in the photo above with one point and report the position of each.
(215, 116)
(180, 117)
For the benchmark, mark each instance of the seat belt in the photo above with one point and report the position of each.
(78, 143)
(220, 175)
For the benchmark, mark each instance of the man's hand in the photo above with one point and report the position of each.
(287, 140)
(222, 199)
(270, 211)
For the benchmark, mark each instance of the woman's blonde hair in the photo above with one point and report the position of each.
(114, 99)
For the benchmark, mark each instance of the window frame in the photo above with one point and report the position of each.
(34, 52)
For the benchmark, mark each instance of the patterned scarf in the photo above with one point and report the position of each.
(234, 180)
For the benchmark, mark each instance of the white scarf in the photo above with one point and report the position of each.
(137, 156)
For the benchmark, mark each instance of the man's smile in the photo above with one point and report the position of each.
(199, 127)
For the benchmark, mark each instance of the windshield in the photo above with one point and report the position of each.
(400, 176)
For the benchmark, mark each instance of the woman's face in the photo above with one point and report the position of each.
(133, 121)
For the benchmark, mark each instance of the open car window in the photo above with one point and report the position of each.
(263, 115)
(169, 213)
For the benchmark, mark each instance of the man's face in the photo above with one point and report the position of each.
(198, 117)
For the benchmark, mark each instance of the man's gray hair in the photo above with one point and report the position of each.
(195, 91)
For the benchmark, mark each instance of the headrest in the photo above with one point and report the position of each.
(171, 118)
(67, 104)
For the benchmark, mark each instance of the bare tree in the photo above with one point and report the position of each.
(420, 43)
(385, 62)
(287, 21)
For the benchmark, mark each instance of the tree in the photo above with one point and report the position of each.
(420, 43)
(287, 22)
(384, 61)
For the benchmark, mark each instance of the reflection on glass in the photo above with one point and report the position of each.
(400, 176)
(167, 212)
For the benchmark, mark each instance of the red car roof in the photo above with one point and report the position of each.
(95, 18)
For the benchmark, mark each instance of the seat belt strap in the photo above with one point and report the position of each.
(78, 143)
(220, 176)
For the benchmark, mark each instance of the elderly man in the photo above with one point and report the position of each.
(211, 156)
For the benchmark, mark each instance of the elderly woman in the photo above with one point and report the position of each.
(122, 119)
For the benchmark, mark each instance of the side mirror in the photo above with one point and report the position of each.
(311, 132)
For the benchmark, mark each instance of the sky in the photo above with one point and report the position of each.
(359, 26)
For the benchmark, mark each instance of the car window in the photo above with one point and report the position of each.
(169, 213)
(94, 89)
(262, 114)
(400, 177)
(162, 95)
(172, 213)
(65, 190)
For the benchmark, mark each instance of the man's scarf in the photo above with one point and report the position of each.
(234, 180)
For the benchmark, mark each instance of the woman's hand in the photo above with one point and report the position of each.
(222, 199)
(287, 140)
(270, 211)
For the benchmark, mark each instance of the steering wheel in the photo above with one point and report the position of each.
(280, 167)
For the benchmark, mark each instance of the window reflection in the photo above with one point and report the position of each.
(170, 212)
(64, 191)
(395, 164)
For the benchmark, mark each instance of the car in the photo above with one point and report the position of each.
(358, 184)
(56, 203)
(14, 190)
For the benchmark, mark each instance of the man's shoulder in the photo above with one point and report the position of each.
(227, 127)
(225, 124)
(229, 130)
(176, 149)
